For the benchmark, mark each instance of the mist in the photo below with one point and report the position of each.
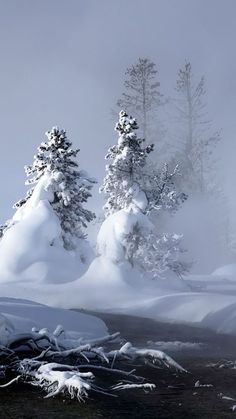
(112, 268)
(63, 63)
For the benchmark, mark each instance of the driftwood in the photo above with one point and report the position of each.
(62, 366)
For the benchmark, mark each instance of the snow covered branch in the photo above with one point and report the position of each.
(76, 370)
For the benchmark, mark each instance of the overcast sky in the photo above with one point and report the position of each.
(63, 62)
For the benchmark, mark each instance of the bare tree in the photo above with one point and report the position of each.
(142, 96)
(197, 142)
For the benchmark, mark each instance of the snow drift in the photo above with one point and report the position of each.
(21, 316)
(32, 248)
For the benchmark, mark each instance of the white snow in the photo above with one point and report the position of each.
(196, 308)
(107, 286)
(34, 265)
(111, 237)
(32, 248)
(74, 382)
(176, 345)
(21, 316)
(228, 271)
(139, 199)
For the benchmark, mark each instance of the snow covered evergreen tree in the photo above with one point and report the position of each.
(70, 186)
(125, 172)
(131, 178)
(134, 186)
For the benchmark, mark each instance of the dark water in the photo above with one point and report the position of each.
(175, 396)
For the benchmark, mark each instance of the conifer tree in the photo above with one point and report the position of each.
(131, 182)
(70, 186)
(125, 171)
(196, 140)
(142, 96)
(130, 172)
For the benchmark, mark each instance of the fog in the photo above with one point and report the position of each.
(63, 63)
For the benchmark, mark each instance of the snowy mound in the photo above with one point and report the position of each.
(214, 311)
(115, 229)
(106, 285)
(222, 320)
(119, 287)
(32, 248)
(21, 316)
(227, 271)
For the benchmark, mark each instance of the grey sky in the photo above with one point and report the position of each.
(63, 62)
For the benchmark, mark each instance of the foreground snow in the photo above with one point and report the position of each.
(23, 316)
(34, 265)
(107, 287)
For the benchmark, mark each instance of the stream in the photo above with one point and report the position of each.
(205, 392)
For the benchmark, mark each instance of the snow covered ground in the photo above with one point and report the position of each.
(20, 316)
(110, 283)
(35, 266)
(107, 287)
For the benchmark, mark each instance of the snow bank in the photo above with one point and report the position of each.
(222, 320)
(118, 288)
(182, 307)
(111, 282)
(214, 311)
(32, 248)
(32, 255)
(112, 234)
(21, 316)
(39, 269)
(222, 280)
(107, 285)
(227, 271)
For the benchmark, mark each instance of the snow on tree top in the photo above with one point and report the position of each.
(130, 170)
(126, 123)
(67, 186)
(124, 173)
